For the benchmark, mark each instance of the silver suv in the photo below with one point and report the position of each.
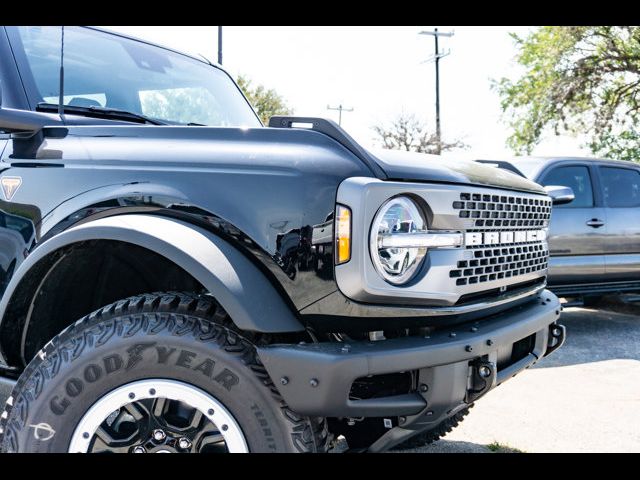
(594, 240)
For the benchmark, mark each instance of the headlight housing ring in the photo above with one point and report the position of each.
(399, 214)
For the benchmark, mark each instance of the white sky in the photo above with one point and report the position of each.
(375, 70)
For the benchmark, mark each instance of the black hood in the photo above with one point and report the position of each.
(411, 166)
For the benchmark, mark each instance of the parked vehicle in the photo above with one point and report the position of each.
(202, 283)
(594, 240)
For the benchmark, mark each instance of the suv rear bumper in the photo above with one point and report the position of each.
(315, 379)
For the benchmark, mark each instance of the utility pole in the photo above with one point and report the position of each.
(219, 45)
(340, 109)
(437, 56)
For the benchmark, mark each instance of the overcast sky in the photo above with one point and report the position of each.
(377, 71)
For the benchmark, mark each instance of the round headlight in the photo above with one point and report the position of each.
(398, 215)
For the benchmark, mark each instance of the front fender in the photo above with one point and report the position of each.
(238, 285)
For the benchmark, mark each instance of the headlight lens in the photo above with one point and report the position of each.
(401, 215)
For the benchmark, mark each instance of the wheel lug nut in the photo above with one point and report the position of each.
(184, 443)
(139, 450)
(159, 435)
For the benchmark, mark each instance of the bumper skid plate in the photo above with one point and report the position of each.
(458, 365)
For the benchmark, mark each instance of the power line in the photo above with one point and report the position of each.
(437, 56)
(340, 109)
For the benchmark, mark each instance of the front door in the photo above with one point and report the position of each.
(621, 198)
(577, 233)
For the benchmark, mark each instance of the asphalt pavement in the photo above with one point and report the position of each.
(585, 397)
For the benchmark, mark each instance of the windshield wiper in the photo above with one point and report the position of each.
(100, 112)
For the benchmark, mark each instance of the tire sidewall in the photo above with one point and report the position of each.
(61, 387)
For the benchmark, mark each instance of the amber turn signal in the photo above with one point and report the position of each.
(343, 234)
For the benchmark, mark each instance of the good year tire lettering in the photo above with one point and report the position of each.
(179, 358)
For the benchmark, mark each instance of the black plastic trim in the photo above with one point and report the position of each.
(237, 284)
(594, 288)
(315, 379)
(334, 131)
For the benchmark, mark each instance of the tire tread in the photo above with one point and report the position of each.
(430, 436)
(179, 313)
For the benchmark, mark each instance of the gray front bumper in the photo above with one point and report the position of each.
(315, 379)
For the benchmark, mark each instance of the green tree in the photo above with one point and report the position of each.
(577, 80)
(184, 105)
(266, 102)
(406, 132)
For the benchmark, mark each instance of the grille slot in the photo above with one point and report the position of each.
(491, 264)
(497, 292)
(512, 211)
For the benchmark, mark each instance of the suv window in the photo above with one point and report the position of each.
(620, 186)
(105, 70)
(578, 178)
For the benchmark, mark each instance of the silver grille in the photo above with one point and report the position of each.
(484, 268)
(491, 264)
(495, 213)
(504, 210)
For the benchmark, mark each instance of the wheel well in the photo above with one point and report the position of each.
(76, 280)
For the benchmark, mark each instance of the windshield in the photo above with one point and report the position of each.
(103, 70)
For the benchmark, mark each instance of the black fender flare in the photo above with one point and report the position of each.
(252, 302)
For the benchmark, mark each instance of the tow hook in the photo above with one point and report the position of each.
(483, 377)
(557, 334)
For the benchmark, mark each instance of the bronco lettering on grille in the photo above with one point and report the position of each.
(501, 238)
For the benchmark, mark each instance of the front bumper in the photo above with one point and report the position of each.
(315, 379)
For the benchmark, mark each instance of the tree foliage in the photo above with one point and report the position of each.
(184, 105)
(576, 80)
(406, 132)
(266, 102)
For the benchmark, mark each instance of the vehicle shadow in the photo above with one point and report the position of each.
(455, 446)
(594, 335)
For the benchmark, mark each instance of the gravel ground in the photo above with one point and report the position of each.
(583, 398)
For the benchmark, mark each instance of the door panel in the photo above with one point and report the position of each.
(575, 269)
(623, 267)
(576, 249)
(621, 196)
(570, 234)
(577, 232)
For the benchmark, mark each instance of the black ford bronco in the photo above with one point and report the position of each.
(177, 277)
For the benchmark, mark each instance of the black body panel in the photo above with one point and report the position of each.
(264, 191)
(248, 185)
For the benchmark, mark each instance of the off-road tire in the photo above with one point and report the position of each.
(184, 321)
(430, 436)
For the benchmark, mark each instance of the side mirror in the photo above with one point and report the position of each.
(560, 195)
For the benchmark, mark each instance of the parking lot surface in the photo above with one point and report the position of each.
(583, 398)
